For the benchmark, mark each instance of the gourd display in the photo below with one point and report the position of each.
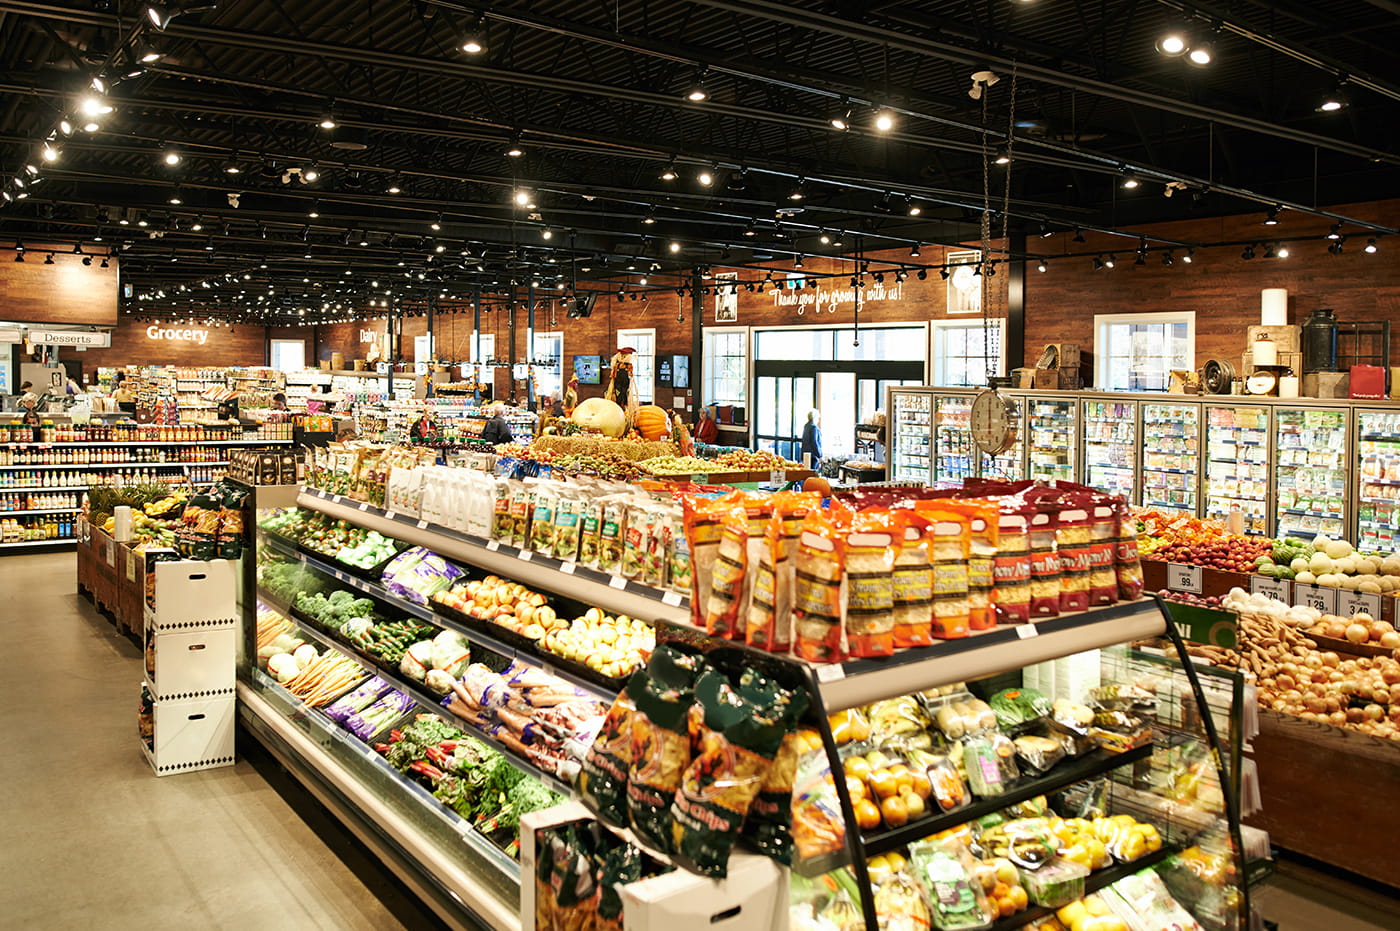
(651, 422)
(601, 415)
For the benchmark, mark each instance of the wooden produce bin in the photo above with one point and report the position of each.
(1155, 577)
(1329, 793)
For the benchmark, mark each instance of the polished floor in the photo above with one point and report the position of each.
(93, 839)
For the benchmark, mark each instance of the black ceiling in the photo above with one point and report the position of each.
(594, 95)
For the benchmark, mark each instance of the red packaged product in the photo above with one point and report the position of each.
(1011, 567)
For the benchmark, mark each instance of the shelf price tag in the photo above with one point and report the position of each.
(777, 477)
(831, 672)
(1349, 603)
(1027, 631)
(335, 498)
(422, 524)
(1183, 578)
(568, 567)
(617, 582)
(1320, 597)
(525, 555)
(671, 598)
(364, 505)
(700, 479)
(493, 545)
(390, 515)
(1277, 589)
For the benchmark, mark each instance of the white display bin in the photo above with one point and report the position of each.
(192, 594)
(753, 897)
(191, 664)
(190, 735)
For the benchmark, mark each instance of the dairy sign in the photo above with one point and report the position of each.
(170, 334)
(824, 299)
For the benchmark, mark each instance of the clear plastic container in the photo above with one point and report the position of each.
(1057, 883)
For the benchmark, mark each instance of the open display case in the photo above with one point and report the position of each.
(1158, 794)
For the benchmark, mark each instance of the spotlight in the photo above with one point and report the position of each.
(395, 185)
(50, 154)
(650, 217)
(19, 255)
(1045, 231)
(825, 238)
(1189, 257)
(87, 260)
(65, 127)
(914, 209)
(1111, 261)
(921, 274)
(674, 247)
(1335, 99)
(513, 149)
(172, 158)
(1335, 232)
(93, 106)
(328, 120)
(1098, 263)
(474, 39)
(315, 210)
(1335, 246)
(104, 261)
(1042, 266)
(1141, 259)
(159, 16)
(1248, 252)
(1282, 251)
(799, 190)
(1130, 181)
(944, 273)
(707, 176)
(1003, 156)
(915, 252)
(48, 259)
(840, 119)
(310, 174)
(547, 233)
(1078, 235)
(1201, 54)
(146, 54)
(884, 120)
(1172, 43)
(1168, 259)
(669, 172)
(797, 262)
(1271, 218)
(1371, 246)
(696, 92)
(176, 197)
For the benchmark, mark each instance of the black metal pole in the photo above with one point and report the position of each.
(697, 345)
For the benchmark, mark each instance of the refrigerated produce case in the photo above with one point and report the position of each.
(1171, 445)
(1111, 446)
(954, 453)
(1237, 467)
(1310, 471)
(1378, 479)
(911, 435)
(1052, 438)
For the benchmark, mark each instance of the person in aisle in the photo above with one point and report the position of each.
(71, 387)
(28, 400)
(497, 431)
(706, 430)
(279, 402)
(812, 438)
(30, 418)
(125, 401)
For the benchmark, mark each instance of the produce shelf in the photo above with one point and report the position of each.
(311, 746)
(610, 592)
(57, 541)
(1095, 881)
(1066, 774)
(429, 702)
(439, 619)
(862, 681)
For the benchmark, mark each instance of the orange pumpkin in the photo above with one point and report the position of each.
(651, 422)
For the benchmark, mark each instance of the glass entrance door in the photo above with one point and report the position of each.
(781, 404)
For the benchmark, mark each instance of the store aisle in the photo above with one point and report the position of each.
(93, 837)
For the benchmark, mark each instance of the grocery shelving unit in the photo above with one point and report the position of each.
(467, 879)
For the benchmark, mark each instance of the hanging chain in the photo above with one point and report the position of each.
(990, 290)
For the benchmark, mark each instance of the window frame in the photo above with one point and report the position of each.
(1102, 357)
(937, 330)
(629, 337)
(708, 393)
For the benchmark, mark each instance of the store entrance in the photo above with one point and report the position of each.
(844, 393)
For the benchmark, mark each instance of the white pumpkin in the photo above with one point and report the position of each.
(601, 415)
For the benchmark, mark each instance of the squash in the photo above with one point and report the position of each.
(600, 415)
(651, 422)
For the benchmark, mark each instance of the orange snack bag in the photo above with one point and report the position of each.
(702, 532)
(948, 545)
(817, 595)
(728, 580)
(983, 517)
(872, 544)
(913, 586)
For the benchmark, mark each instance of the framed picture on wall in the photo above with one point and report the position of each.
(964, 283)
(726, 297)
(663, 371)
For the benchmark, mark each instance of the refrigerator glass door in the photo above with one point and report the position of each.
(1171, 446)
(1052, 435)
(953, 439)
(1310, 472)
(1378, 480)
(910, 433)
(1237, 466)
(1010, 465)
(1110, 446)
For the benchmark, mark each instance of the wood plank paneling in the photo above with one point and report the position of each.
(65, 292)
(132, 344)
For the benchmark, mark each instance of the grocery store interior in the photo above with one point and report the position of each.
(539, 466)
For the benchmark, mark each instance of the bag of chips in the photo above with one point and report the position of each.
(818, 599)
(870, 549)
(602, 777)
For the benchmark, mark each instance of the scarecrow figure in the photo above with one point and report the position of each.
(571, 396)
(622, 390)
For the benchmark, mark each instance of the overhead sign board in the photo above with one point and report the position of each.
(96, 339)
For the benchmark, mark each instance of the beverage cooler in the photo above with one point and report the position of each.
(1378, 479)
(1310, 471)
(911, 435)
(1171, 453)
(1237, 464)
(1111, 446)
(954, 452)
(1052, 434)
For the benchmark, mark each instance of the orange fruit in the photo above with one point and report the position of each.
(884, 784)
(857, 766)
(895, 812)
(867, 815)
(922, 786)
(1018, 897)
(855, 787)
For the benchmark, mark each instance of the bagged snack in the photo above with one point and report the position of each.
(655, 560)
(521, 507)
(818, 596)
(602, 778)
(590, 523)
(738, 741)
(947, 873)
(619, 866)
(768, 827)
(913, 588)
(1103, 531)
(636, 535)
(949, 546)
(661, 747)
(610, 533)
(229, 541)
(1045, 564)
(766, 600)
(1126, 562)
(1011, 568)
(702, 533)
(1038, 754)
(983, 520)
(870, 550)
(729, 576)
(1072, 529)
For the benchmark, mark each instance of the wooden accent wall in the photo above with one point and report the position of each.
(239, 345)
(1220, 286)
(65, 292)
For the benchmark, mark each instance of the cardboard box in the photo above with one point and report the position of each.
(1395, 382)
(1326, 385)
(1023, 378)
(1047, 379)
(1070, 379)
(190, 735)
(1293, 360)
(1287, 338)
(1066, 355)
(1367, 381)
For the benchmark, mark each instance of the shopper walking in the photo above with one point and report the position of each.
(28, 400)
(497, 431)
(812, 438)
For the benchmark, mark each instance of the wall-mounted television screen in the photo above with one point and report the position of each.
(588, 369)
(680, 372)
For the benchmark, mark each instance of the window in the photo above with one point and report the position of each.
(548, 356)
(961, 351)
(644, 363)
(1136, 352)
(726, 367)
(288, 355)
(485, 347)
(964, 282)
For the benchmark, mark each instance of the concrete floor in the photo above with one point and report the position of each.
(93, 837)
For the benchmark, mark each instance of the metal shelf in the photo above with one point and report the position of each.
(40, 511)
(612, 593)
(106, 465)
(60, 541)
(63, 444)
